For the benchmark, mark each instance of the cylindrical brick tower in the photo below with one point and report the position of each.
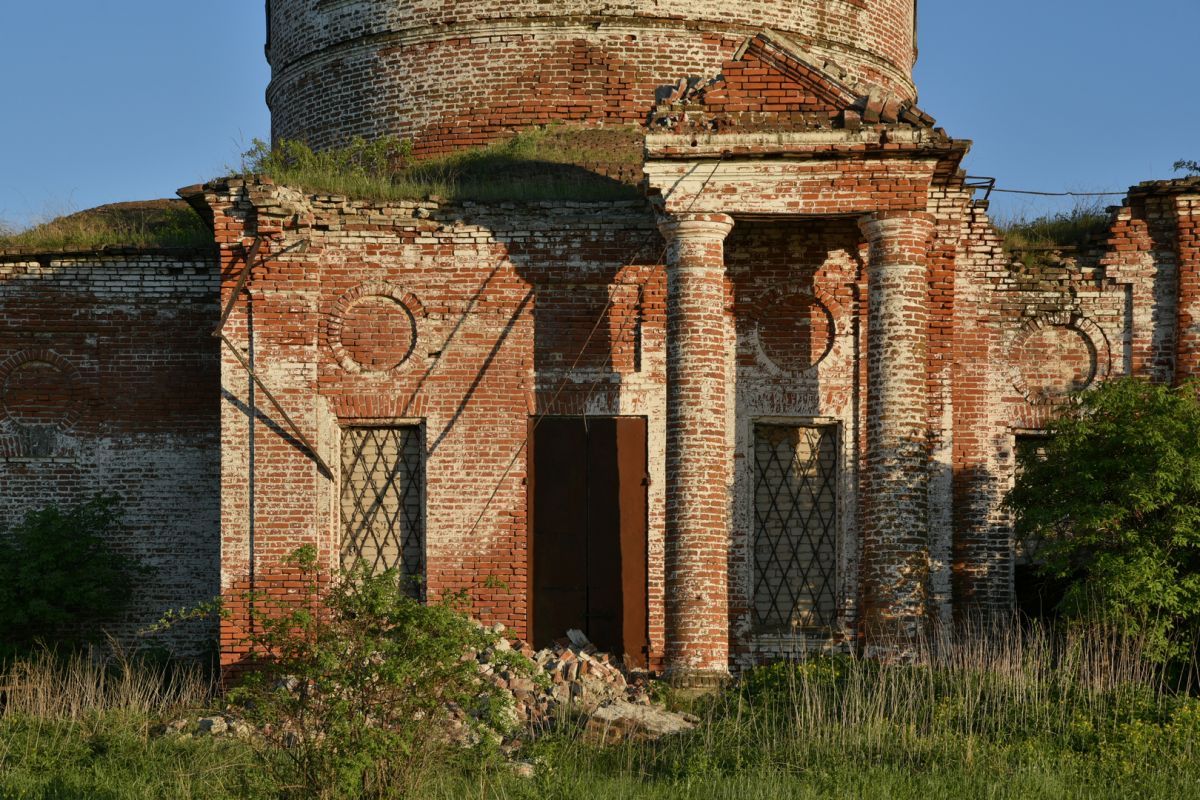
(455, 73)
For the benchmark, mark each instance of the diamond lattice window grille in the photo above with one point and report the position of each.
(383, 522)
(795, 532)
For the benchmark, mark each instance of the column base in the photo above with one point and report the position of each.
(702, 681)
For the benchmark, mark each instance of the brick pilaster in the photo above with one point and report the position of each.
(1187, 243)
(698, 452)
(895, 529)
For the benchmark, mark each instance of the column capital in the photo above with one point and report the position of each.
(882, 224)
(708, 227)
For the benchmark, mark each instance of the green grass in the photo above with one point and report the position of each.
(1083, 225)
(112, 756)
(997, 714)
(556, 162)
(150, 224)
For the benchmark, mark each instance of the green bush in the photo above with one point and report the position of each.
(60, 578)
(1115, 504)
(358, 681)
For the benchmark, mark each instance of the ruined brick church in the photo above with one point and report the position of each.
(770, 406)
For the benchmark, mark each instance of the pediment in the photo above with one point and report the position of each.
(773, 83)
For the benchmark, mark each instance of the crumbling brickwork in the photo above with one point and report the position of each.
(452, 74)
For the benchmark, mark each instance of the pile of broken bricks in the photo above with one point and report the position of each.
(573, 680)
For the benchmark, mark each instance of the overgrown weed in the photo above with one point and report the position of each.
(51, 686)
(554, 162)
(1029, 237)
(1077, 707)
(166, 223)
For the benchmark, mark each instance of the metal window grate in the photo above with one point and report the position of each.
(795, 539)
(383, 525)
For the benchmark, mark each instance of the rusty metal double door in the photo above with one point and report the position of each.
(587, 500)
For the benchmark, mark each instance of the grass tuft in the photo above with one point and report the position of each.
(1077, 228)
(150, 224)
(556, 162)
(45, 686)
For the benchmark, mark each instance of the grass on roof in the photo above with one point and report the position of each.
(1078, 227)
(148, 223)
(555, 162)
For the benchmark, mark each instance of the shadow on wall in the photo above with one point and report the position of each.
(109, 384)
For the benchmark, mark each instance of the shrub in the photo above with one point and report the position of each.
(60, 578)
(358, 682)
(1115, 503)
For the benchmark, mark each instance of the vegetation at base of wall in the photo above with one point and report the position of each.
(555, 162)
(991, 711)
(1114, 502)
(1029, 238)
(150, 224)
(61, 581)
(81, 727)
(356, 681)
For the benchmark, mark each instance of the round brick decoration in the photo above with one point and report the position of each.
(373, 328)
(39, 388)
(795, 331)
(1058, 356)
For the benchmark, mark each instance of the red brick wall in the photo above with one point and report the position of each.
(108, 383)
(489, 288)
(453, 74)
(1031, 332)
(500, 301)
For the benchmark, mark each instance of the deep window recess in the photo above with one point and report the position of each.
(1028, 448)
(383, 520)
(1037, 595)
(795, 527)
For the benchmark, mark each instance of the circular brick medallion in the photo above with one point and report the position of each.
(39, 388)
(795, 331)
(373, 328)
(1058, 356)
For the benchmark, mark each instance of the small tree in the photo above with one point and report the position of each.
(1115, 503)
(60, 577)
(1189, 166)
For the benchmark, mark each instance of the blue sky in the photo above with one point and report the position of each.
(132, 99)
